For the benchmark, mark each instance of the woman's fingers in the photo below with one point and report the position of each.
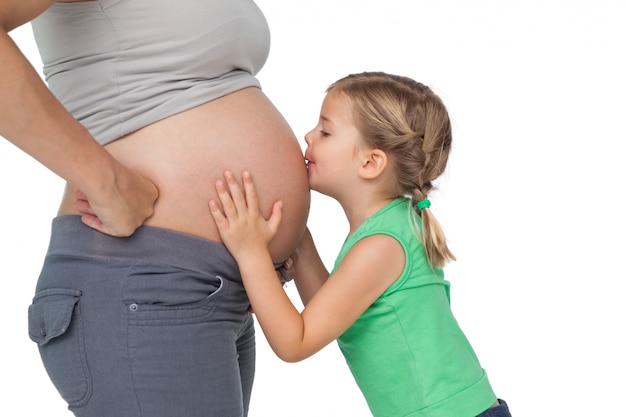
(81, 203)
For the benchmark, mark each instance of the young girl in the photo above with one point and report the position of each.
(380, 143)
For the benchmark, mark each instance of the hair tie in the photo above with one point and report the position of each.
(422, 204)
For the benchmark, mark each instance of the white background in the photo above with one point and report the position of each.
(532, 201)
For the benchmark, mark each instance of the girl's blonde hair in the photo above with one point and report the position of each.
(407, 121)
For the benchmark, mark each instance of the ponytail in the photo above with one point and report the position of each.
(433, 237)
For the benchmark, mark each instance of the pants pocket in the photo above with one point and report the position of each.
(162, 295)
(54, 323)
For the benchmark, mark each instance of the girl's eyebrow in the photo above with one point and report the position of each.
(325, 119)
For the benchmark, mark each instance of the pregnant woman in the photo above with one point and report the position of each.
(139, 309)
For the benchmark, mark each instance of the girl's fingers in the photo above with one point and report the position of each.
(251, 195)
(235, 201)
(228, 205)
(216, 212)
(236, 194)
(275, 217)
(220, 219)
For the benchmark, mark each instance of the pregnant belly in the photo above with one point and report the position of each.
(185, 154)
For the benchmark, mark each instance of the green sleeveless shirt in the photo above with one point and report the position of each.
(407, 353)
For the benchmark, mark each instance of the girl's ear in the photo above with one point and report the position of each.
(373, 163)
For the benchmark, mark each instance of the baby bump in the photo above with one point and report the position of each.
(185, 154)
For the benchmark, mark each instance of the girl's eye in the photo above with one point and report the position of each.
(324, 133)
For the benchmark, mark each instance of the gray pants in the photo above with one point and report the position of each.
(153, 325)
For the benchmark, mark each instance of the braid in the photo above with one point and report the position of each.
(433, 237)
(435, 146)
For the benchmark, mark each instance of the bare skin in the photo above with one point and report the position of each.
(163, 174)
(184, 154)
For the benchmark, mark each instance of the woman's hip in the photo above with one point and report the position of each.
(145, 311)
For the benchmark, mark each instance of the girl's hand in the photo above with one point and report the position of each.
(242, 227)
(288, 267)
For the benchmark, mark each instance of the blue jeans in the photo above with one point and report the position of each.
(501, 411)
(156, 324)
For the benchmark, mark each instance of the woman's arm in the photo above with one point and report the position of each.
(113, 199)
(365, 272)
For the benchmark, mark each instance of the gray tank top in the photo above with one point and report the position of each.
(119, 65)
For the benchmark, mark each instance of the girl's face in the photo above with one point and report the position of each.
(333, 147)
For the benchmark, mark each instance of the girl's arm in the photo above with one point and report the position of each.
(309, 271)
(366, 271)
(113, 199)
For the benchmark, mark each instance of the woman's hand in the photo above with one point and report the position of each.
(120, 209)
(242, 227)
(113, 199)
